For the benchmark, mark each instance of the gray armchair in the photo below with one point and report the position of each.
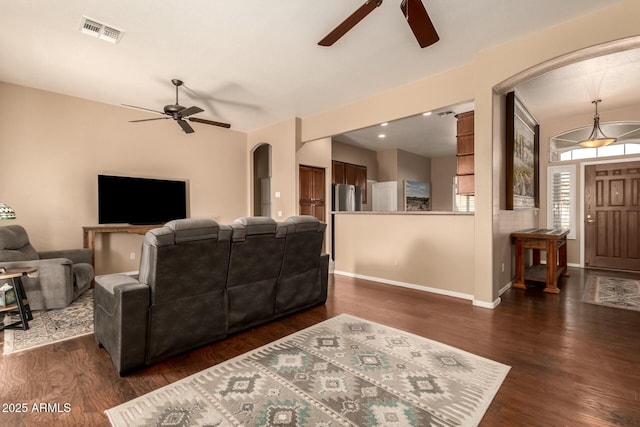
(62, 275)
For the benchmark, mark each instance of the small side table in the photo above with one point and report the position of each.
(22, 303)
(554, 242)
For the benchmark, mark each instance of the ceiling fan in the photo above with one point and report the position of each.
(179, 113)
(413, 11)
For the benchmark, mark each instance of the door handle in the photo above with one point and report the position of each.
(589, 220)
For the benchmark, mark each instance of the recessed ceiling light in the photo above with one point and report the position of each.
(428, 113)
(384, 124)
(382, 135)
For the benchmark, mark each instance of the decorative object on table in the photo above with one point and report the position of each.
(6, 212)
(17, 302)
(597, 138)
(51, 326)
(614, 292)
(522, 155)
(343, 371)
(7, 295)
(62, 275)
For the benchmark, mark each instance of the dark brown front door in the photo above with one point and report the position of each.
(312, 192)
(612, 216)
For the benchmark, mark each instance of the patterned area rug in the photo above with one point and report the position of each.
(50, 326)
(343, 371)
(613, 292)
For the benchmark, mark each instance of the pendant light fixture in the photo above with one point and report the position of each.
(6, 212)
(597, 137)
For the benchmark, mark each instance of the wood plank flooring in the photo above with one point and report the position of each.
(573, 364)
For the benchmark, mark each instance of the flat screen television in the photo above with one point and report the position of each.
(140, 201)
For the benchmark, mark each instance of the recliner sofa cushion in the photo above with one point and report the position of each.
(14, 244)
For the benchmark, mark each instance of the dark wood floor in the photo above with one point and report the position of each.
(573, 364)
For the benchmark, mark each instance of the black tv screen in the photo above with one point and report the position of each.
(132, 200)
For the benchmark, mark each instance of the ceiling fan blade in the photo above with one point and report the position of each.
(419, 21)
(142, 108)
(350, 22)
(189, 111)
(209, 122)
(185, 126)
(147, 120)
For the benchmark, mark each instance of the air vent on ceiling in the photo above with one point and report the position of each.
(445, 113)
(94, 28)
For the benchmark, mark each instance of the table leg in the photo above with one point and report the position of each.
(563, 258)
(519, 280)
(21, 296)
(23, 309)
(552, 267)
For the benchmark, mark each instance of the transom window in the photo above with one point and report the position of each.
(564, 146)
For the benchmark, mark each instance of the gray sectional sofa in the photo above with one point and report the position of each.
(200, 281)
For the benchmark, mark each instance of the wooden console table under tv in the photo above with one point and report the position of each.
(90, 232)
(554, 242)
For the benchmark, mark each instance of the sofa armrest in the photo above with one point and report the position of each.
(121, 316)
(51, 286)
(77, 256)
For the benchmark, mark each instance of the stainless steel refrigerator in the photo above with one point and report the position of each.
(347, 197)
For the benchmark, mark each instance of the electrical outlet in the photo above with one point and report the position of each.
(132, 255)
(279, 213)
(277, 194)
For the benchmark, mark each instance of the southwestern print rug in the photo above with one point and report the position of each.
(51, 326)
(613, 292)
(345, 371)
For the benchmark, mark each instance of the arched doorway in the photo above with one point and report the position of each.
(261, 180)
(597, 71)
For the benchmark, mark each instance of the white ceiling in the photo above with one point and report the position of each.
(432, 135)
(570, 90)
(253, 62)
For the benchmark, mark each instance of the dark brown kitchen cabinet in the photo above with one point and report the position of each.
(465, 158)
(348, 173)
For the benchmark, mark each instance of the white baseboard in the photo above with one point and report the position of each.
(407, 285)
(505, 288)
(489, 305)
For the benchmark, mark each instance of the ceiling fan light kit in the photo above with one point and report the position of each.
(413, 10)
(179, 113)
(597, 138)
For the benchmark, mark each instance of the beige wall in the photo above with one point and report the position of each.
(443, 170)
(284, 138)
(52, 147)
(420, 249)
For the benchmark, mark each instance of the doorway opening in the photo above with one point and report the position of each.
(262, 180)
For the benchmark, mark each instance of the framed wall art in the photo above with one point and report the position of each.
(417, 196)
(522, 155)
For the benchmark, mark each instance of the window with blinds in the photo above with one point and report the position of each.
(461, 203)
(561, 198)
